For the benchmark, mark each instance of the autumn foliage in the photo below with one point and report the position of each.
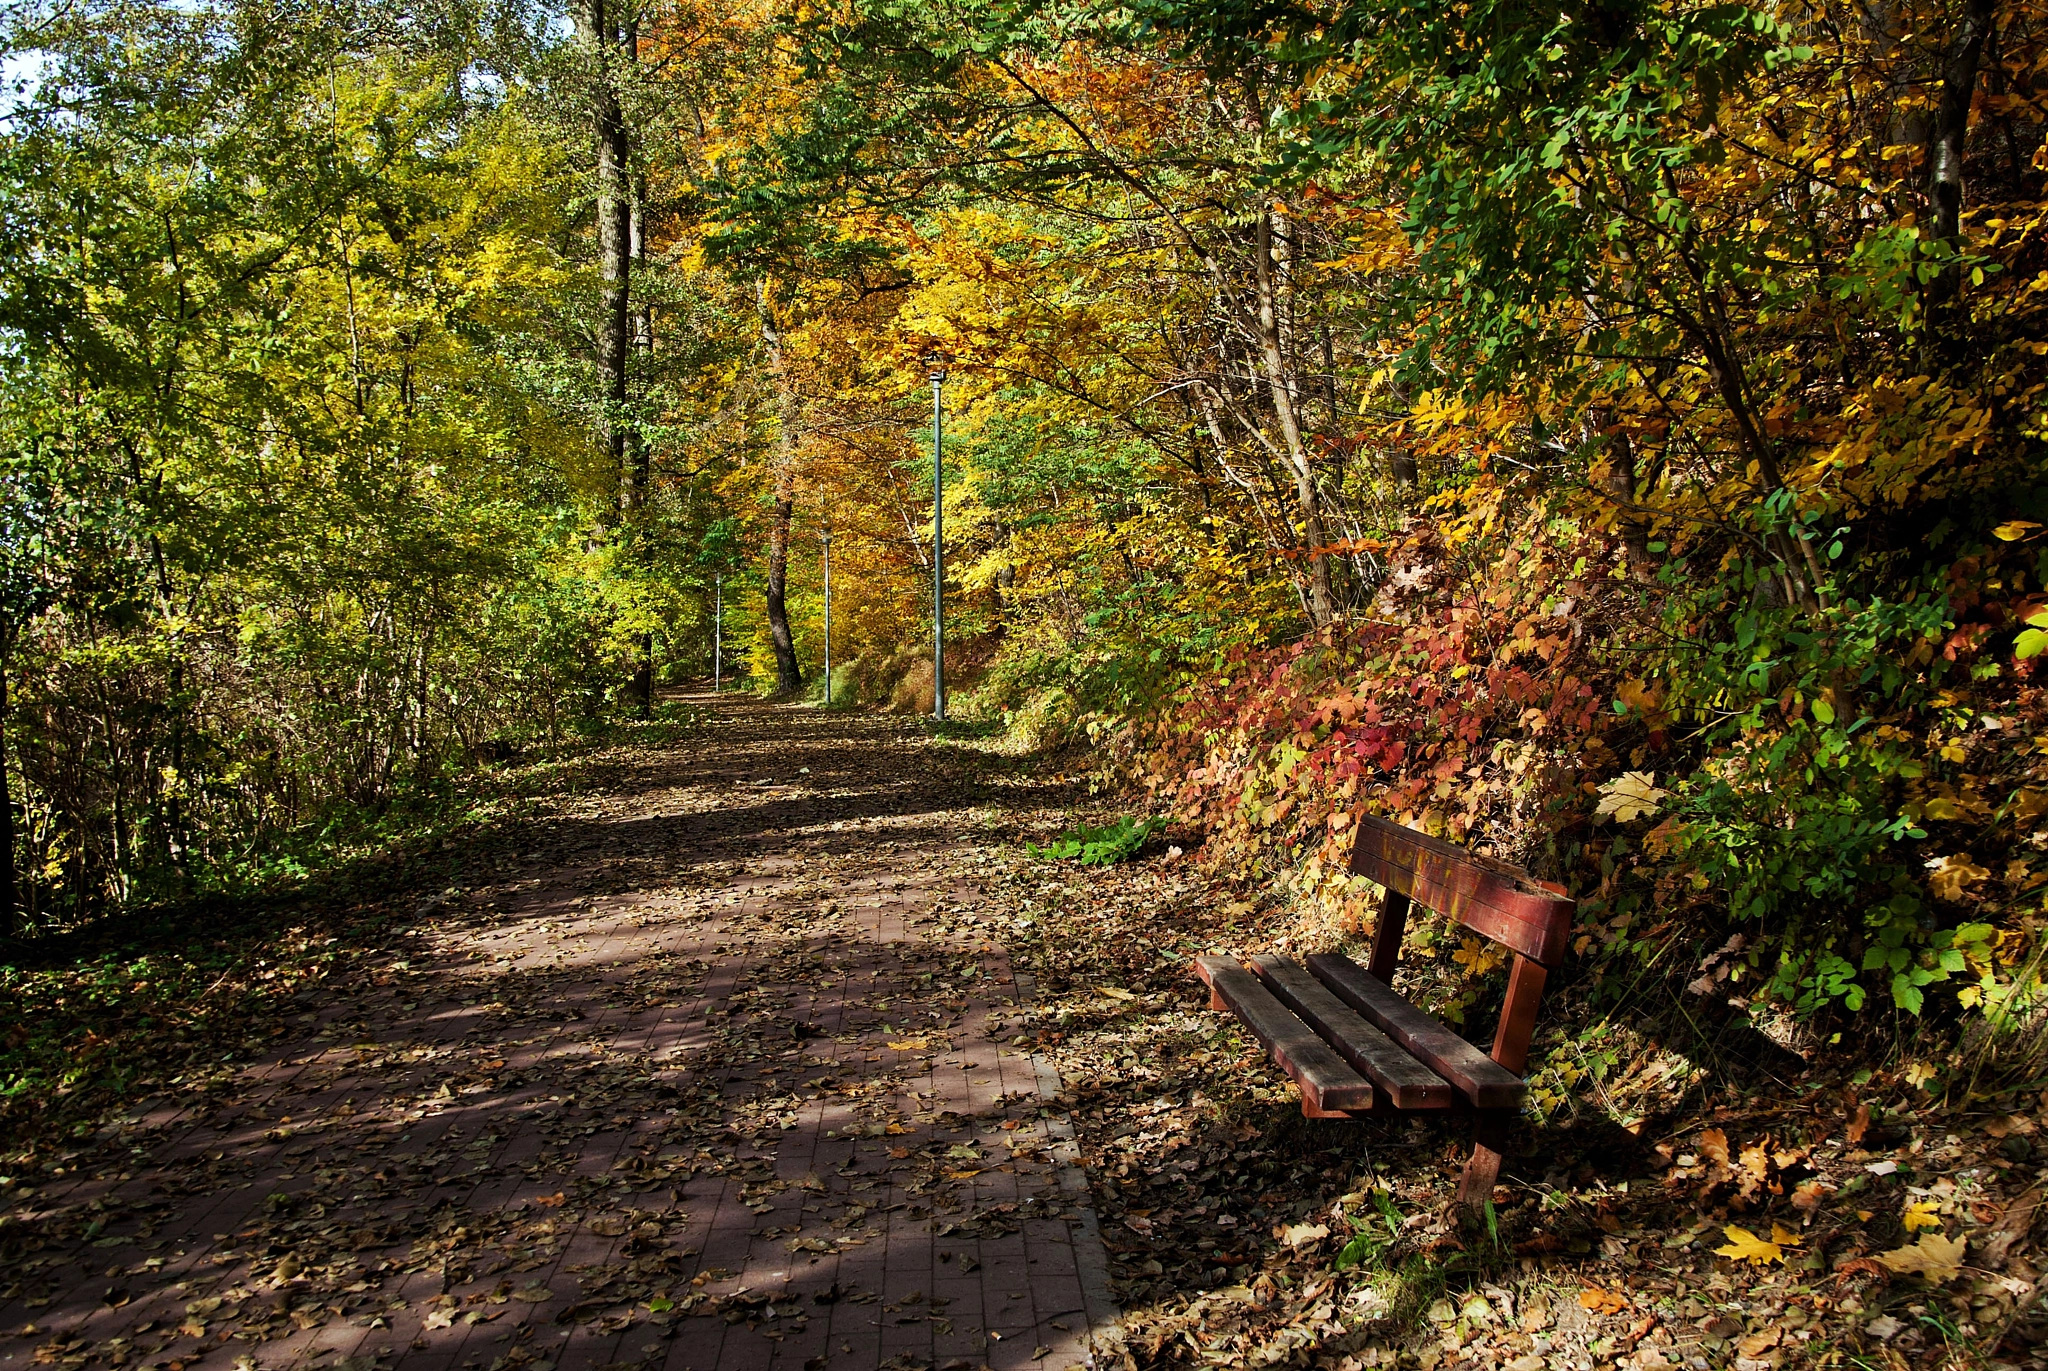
(1608, 437)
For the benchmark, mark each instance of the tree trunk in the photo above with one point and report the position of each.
(1614, 472)
(1945, 154)
(10, 920)
(639, 457)
(614, 230)
(789, 676)
(1321, 602)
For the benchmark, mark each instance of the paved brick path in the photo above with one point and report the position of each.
(708, 1071)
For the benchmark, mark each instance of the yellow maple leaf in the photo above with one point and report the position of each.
(1631, 795)
(1744, 1245)
(1937, 1258)
(1920, 1214)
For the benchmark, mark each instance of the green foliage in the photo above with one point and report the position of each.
(1099, 846)
(1370, 1240)
(302, 519)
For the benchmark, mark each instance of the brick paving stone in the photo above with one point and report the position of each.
(670, 1081)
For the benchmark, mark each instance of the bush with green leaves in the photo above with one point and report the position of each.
(1104, 846)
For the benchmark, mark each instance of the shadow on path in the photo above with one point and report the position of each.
(684, 1077)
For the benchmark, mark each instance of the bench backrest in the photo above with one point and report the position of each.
(1499, 902)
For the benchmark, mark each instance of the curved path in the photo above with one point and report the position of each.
(705, 1067)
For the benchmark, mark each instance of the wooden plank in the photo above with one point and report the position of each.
(1482, 1168)
(1480, 1079)
(1489, 897)
(1327, 1081)
(1406, 1082)
(1518, 1014)
(1492, 898)
(1386, 935)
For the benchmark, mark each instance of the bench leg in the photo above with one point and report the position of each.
(1489, 1136)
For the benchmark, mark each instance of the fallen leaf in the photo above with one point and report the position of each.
(1859, 1125)
(1756, 1168)
(2013, 1225)
(1920, 1214)
(1756, 1344)
(1302, 1234)
(1114, 992)
(1937, 1258)
(1744, 1245)
(533, 1294)
(1602, 1301)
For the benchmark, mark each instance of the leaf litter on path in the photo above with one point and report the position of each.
(436, 1132)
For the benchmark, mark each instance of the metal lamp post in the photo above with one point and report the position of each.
(935, 362)
(827, 535)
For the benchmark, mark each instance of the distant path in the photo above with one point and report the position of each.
(708, 1071)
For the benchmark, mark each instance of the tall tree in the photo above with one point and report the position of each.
(606, 37)
(789, 676)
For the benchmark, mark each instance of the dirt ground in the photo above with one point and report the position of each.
(770, 1044)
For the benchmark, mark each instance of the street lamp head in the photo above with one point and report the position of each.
(935, 362)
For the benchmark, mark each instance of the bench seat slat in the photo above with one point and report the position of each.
(1481, 1080)
(1327, 1081)
(1406, 1082)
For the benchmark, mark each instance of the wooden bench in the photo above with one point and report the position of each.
(1356, 1048)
